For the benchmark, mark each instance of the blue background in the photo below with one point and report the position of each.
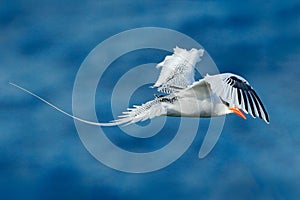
(43, 43)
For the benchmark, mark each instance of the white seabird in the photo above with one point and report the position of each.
(212, 96)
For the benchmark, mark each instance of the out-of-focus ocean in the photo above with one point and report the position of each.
(42, 45)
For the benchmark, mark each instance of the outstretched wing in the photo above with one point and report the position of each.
(236, 91)
(178, 70)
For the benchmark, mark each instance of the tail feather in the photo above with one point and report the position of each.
(137, 113)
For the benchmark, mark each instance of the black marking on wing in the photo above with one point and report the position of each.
(158, 96)
(249, 96)
(239, 96)
(239, 84)
(166, 99)
(261, 105)
(245, 100)
(256, 104)
(250, 102)
(242, 88)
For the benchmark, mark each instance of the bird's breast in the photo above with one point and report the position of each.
(191, 107)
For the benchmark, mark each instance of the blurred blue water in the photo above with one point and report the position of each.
(42, 46)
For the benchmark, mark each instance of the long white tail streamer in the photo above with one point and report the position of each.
(60, 110)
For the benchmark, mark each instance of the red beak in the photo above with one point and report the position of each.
(238, 112)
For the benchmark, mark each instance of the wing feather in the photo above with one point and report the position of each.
(238, 93)
(177, 70)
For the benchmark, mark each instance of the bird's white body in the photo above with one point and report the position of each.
(195, 101)
(211, 96)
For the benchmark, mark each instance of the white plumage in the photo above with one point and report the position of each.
(177, 70)
(211, 96)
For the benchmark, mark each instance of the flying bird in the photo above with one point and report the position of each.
(212, 96)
